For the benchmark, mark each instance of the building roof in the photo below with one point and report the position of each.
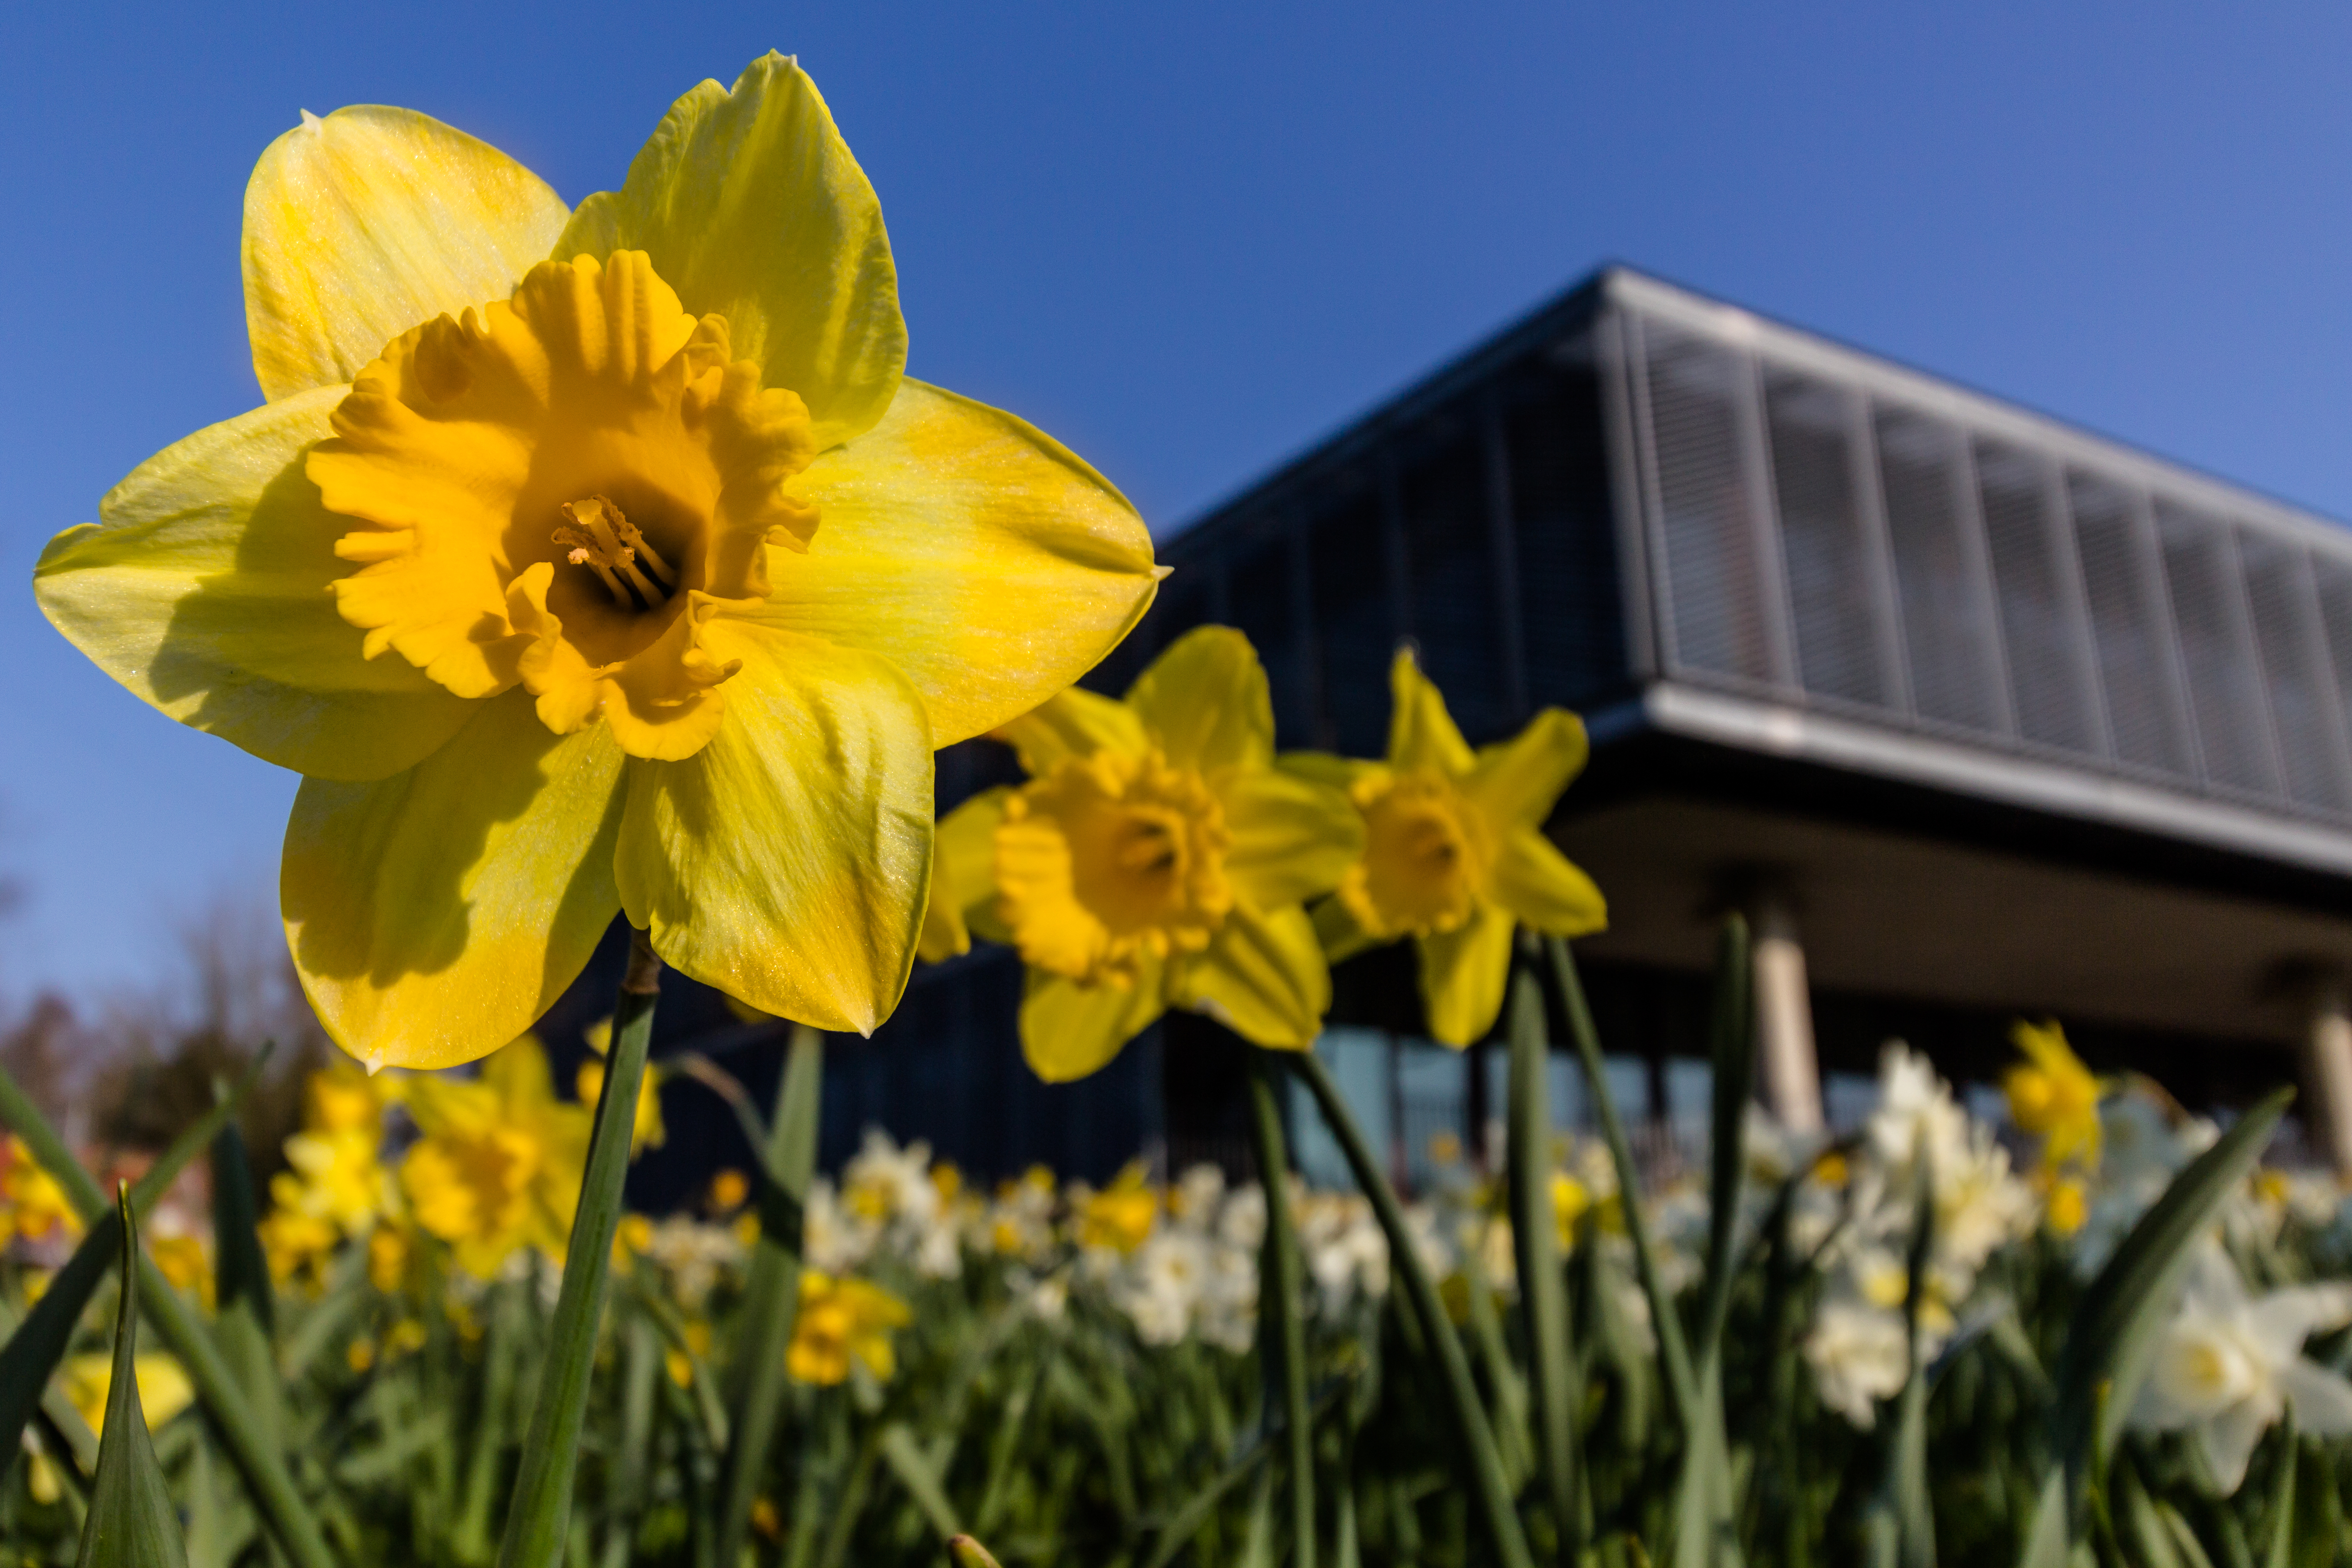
(1694, 522)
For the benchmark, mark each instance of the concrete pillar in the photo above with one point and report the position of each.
(1786, 1065)
(2327, 1072)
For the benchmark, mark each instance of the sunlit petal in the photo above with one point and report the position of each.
(436, 914)
(1204, 702)
(1517, 781)
(365, 224)
(1463, 973)
(788, 862)
(963, 862)
(1421, 733)
(973, 551)
(1069, 1030)
(204, 590)
(1264, 977)
(1292, 838)
(751, 207)
(1540, 887)
(1073, 724)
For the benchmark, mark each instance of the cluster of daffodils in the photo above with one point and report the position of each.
(1161, 855)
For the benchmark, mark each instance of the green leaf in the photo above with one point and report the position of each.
(244, 1311)
(31, 1356)
(1673, 1350)
(1543, 1295)
(787, 1155)
(538, 1517)
(131, 1521)
(2114, 1332)
(1282, 1331)
(903, 1455)
(1493, 1495)
(1731, 1033)
(2280, 1552)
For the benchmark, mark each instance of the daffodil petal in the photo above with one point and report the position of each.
(1422, 734)
(1292, 838)
(436, 914)
(1074, 722)
(1264, 977)
(1204, 701)
(204, 590)
(1535, 884)
(370, 222)
(1519, 780)
(1342, 936)
(972, 550)
(1463, 973)
(963, 873)
(2321, 1401)
(788, 862)
(1069, 1031)
(751, 207)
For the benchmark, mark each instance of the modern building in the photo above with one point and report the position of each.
(1979, 715)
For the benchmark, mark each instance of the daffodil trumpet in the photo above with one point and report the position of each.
(1455, 854)
(595, 560)
(1156, 858)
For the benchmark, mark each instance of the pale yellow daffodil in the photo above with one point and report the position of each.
(163, 1387)
(2053, 1096)
(1455, 852)
(1157, 858)
(498, 1164)
(593, 561)
(840, 1321)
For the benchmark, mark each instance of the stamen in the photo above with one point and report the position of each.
(599, 537)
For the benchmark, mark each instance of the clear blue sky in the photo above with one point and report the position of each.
(1188, 239)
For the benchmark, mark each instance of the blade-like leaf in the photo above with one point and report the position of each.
(131, 1521)
(1282, 1333)
(1493, 1494)
(32, 1351)
(244, 1311)
(786, 1150)
(538, 1517)
(1731, 1032)
(1543, 1296)
(903, 1455)
(2112, 1334)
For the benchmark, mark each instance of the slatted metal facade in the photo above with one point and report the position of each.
(1641, 487)
(1824, 530)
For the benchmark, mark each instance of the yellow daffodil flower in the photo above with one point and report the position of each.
(593, 561)
(1569, 1201)
(1157, 858)
(497, 1167)
(182, 1260)
(32, 1204)
(1455, 852)
(2053, 1096)
(163, 1387)
(391, 1252)
(841, 1320)
(1120, 1217)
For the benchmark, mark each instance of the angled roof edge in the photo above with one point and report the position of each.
(1984, 411)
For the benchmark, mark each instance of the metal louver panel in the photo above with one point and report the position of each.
(2033, 577)
(1824, 540)
(2305, 720)
(1939, 571)
(2331, 576)
(1715, 594)
(2123, 587)
(2216, 653)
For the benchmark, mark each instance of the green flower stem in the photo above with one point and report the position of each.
(1673, 1350)
(1405, 1263)
(1282, 1343)
(1543, 1296)
(262, 1467)
(538, 1517)
(772, 1293)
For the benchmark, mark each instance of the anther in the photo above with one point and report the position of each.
(599, 537)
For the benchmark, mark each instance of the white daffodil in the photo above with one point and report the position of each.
(2230, 1364)
(1860, 1356)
